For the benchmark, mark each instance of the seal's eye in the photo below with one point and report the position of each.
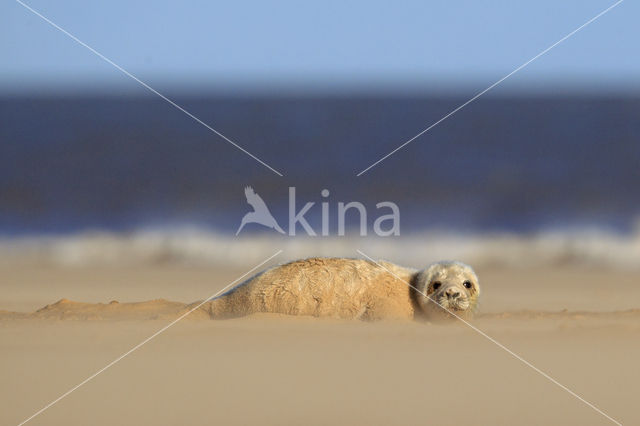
(436, 285)
(467, 284)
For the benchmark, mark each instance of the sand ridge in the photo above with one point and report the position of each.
(65, 309)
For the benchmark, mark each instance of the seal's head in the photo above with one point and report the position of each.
(447, 289)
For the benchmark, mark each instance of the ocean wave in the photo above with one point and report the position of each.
(201, 246)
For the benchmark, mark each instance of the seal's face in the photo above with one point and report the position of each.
(448, 289)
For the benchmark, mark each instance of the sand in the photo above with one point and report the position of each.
(580, 325)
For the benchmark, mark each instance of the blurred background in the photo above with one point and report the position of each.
(544, 168)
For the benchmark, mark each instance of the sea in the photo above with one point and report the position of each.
(509, 178)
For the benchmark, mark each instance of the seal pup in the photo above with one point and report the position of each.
(354, 288)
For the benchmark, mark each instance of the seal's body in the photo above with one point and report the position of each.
(353, 288)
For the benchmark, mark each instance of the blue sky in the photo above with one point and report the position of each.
(280, 45)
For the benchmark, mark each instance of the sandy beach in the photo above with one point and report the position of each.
(578, 324)
(155, 154)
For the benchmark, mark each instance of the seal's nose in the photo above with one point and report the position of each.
(452, 293)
